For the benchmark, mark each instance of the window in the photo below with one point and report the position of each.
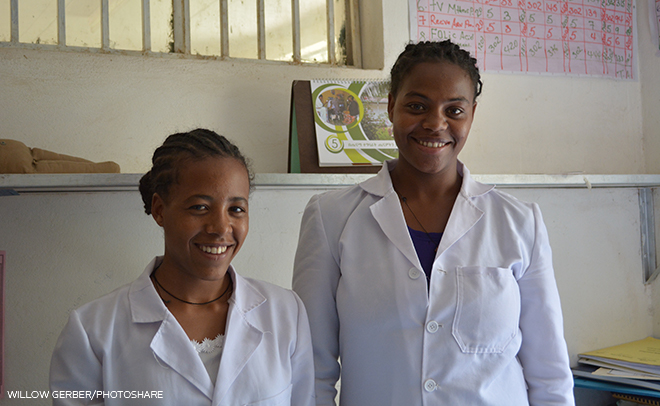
(308, 31)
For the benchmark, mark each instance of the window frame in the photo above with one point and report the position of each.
(181, 33)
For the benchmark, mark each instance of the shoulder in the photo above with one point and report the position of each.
(108, 304)
(276, 296)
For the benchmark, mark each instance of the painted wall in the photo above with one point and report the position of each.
(119, 108)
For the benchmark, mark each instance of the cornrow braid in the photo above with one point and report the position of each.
(432, 51)
(167, 159)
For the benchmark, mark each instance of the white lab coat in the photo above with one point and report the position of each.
(129, 341)
(488, 329)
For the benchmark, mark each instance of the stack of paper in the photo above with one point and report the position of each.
(636, 363)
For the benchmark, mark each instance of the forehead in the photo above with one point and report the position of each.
(438, 76)
(211, 176)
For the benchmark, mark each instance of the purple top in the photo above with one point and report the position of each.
(426, 246)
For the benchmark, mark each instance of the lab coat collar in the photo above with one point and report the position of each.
(381, 184)
(172, 347)
(387, 211)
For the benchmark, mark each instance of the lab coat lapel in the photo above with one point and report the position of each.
(464, 215)
(176, 352)
(387, 212)
(170, 344)
(241, 337)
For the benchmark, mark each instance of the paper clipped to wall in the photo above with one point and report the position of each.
(351, 122)
(577, 37)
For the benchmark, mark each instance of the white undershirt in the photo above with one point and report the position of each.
(210, 351)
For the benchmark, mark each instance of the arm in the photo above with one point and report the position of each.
(315, 277)
(302, 361)
(543, 353)
(74, 365)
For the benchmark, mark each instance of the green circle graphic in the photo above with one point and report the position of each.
(334, 144)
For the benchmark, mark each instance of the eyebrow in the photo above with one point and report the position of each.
(210, 199)
(422, 96)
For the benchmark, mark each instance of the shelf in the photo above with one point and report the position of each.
(116, 182)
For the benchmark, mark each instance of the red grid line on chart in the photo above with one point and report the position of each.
(589, 37)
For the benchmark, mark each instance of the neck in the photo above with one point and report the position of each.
(188, 287)
(414, 184)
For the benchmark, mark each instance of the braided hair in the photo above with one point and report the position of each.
(432, 51)
(179, 147)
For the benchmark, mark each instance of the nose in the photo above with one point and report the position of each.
(435, 120)
(218, 223)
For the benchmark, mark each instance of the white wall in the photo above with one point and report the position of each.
(118, 107)
(66, 249)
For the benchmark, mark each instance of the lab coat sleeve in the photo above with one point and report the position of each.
(543, 353)
(74, 365)
(302, 362)
(315, 277)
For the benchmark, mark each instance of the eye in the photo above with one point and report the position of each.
(198, 208)
(454, 111)
(416, 107)
(238, 209)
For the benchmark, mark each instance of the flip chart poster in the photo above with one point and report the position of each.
(351, 122)
(578, 37)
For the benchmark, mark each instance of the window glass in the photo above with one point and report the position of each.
(5, 21)
(243, 29)
(37, 21)
(313, 31)
(279, 30)
(83, 23)
(205, 27)
(125, 24)
(162, 35)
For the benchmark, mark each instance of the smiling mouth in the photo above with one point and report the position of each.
(213, 250)
(432, 144)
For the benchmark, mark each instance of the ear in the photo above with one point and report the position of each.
(474, 109)
(390, 105)
(157, 206)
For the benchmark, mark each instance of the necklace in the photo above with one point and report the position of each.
(185, 301)
(405, 201)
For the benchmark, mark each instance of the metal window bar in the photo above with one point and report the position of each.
(224, 29)
(181, 11)
(295, 24)
(353, 47)
(61, 23)
(261, 30)
(146, 26)
(330, 7)
(13, 7)
(105, 25)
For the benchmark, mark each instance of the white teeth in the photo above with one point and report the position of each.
(213, 250)
(432, 144)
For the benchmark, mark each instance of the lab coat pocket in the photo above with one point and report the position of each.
(281, 399)
(487, 309)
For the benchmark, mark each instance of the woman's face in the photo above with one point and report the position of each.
(205, 218)
(431, 115)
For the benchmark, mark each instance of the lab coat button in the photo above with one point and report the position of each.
(432, 326)
(414, 273)
(430, 385)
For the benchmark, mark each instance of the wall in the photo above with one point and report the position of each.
(66, 249)
(118, 107)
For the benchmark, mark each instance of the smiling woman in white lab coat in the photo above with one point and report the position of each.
(429, 287)
(190, 330)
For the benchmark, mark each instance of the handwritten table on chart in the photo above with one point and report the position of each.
(583, 37)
